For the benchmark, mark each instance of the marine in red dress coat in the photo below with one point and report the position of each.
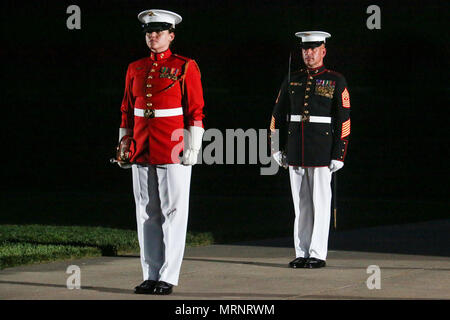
(162, 113)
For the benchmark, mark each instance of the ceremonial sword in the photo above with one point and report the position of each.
(334, 199)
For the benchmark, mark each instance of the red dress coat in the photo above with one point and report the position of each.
(161, 81)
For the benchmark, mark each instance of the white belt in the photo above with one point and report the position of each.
(316, 119)
(156, 113)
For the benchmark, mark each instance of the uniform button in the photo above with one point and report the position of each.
(292, 91)
(150, 77)
(306, 103)
(310, 78)
(307, 89)
(326, 132)
(306, 97)
(155, 64)
(309, 82)
(153, 70)
(149, 85)
(343, 149)
(149, 95)
(149, 104)
(306, 111)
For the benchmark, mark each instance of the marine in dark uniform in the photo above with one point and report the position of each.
(312, 119)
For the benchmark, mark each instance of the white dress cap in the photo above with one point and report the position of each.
(157, 15)
(312, 36)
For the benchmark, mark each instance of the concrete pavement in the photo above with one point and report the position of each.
(258, 271)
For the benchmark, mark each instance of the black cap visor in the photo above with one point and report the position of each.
(311, 44)
(156, 27)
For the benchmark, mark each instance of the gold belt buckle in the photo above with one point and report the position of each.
(305, 118)
(149, 113)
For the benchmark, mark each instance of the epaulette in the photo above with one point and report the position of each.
(139, 61)
(334, 73)
(181, 57)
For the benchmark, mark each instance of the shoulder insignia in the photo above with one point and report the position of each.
(345, 98)
(272, 124)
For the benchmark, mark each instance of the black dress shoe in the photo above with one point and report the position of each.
(146, 287)
(313, 263)
(298, 263)
(163, 288)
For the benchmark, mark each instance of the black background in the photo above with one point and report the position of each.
(62, 91)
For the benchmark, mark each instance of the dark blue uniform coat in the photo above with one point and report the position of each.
(312, 92)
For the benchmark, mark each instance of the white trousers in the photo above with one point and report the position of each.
(311, 193)
(161, 193)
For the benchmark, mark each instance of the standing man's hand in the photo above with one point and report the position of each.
(280, 158)
(335, 165)
(192, 145)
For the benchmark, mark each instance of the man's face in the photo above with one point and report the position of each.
(313, 57)
(159, 41)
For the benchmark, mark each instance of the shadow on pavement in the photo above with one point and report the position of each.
(429, 238)
(329, 266)
(51, 285)
(231, 295)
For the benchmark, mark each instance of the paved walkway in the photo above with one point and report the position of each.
(258, 270)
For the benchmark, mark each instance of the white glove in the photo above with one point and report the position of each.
(335, 165)
(280, 158)
(299, 170)
(192, 145)
(124, 132)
